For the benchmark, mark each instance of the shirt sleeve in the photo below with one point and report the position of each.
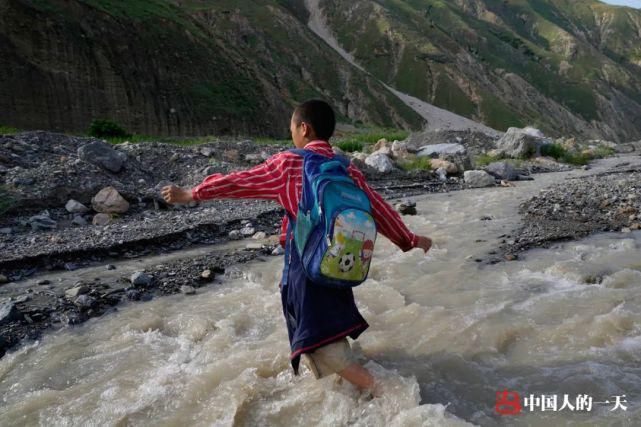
(388, 221)
(264, 181)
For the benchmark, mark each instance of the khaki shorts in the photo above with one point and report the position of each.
(329, 359)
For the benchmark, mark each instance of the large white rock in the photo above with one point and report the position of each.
(478, 178)
(380, 162)
(108, 200)
(521, 142)
(439, 149)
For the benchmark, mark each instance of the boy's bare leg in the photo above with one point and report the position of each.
(361, 378)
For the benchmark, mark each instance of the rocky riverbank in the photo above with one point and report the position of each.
(85, 228)
(606, 201)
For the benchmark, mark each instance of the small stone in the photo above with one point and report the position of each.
(235, 235)
(76, 291)
(111, 267)
(9, 312)
(85, 301)
(207, 275)
(74, 206)
(406, 207)
(23, 298)
(259, 235)
(139, 278)
(511, 257)
(132, 294)
(254, 246)
(43, 282)
(278, 250)
(101, 219)
(109, 200)
(42, 222)
(79, 220)
(635, 226)
(187, 290)
(70, 266)
(3, 279)
(247, 231)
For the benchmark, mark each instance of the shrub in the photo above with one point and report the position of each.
(554, 150)
(417, 163)
(106, 129)
(561, 154)
(350, 146)
(7, 130)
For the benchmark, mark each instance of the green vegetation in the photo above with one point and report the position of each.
(368, 136)
(350, 146)
(417, 163)
(8, 130)
(563, 155)
(102, 128)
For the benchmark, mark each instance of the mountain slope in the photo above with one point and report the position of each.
(193, 67)
(567, 66)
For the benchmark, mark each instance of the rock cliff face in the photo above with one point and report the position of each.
(188, 68)
(565, 66)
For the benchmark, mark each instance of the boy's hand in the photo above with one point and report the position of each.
(424, 243)
(173, 194)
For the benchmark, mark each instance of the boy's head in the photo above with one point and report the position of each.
(313, 119)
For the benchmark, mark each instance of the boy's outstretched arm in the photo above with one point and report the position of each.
(264, 181)
(388, 221)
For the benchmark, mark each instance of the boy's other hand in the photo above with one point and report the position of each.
(424, 243)
(173, 194)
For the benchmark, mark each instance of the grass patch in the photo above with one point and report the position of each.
(485, 159)
(563, 155)
(358, 140)
(8, 130)
(418, 163)
(350, 146)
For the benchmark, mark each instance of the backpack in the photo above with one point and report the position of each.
(334, 231)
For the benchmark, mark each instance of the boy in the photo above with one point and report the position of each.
(318, 318)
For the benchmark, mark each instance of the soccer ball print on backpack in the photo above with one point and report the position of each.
(334, 231)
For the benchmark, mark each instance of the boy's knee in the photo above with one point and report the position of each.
(330, 359)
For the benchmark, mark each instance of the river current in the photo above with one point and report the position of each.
(446, 334)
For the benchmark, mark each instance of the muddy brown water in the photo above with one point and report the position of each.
(447, 333)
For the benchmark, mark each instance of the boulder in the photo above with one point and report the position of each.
(380, 162)
(399, 150)
(520, 142)
(139, 278)
(478, 178)
(102, 155)
(108, 200)
(436, 150)
(359, 155)
(449, 167)
(74, 206)
(381, 143)
(502, 170)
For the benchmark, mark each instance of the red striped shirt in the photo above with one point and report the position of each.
(279, 179)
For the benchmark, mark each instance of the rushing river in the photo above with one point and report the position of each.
(447, 333)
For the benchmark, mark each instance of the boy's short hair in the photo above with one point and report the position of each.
(319, 115)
